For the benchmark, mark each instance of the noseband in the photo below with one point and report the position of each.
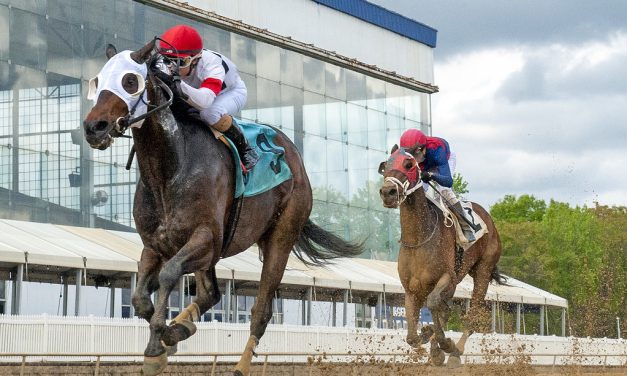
(402, 188)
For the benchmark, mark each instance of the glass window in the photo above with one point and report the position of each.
(336, 120)
(4, 33)
(378, 241)
(395, 127)
(291, 110)
(94, 52)
(244, 53)
(377, 138)
(315, 158)
(313, 75)
(356, 88)
(357, 125)
(314, 114)
(98, 12)
(35, 6)
(122, 22)
(357, 175)
(337, 172)
(359, 226)
(335, 81)
(394, 100)
(291, 68)
(216, 40)
(250, 109)
(67, 10)
(319, 209)
(376, 94)
(27, 36)
(375, 157)
(338, 219)
(268, 61)
(412, 104)
(268, 102)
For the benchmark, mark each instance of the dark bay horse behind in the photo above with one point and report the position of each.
(427, 258)
(183, 201)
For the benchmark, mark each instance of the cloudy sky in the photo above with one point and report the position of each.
(533, 95)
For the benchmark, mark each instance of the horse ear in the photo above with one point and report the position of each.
(110, 51)
(382, 168)
(394, 148)
(140, 56)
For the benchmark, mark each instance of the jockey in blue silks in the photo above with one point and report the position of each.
(437, 164)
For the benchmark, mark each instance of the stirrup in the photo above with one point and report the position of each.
(470, 236)
(249, 159)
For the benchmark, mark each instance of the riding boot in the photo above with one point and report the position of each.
(247, 154)
(464, 219)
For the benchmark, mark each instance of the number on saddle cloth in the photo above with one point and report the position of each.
(270, 171)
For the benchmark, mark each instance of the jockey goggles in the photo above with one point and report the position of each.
(182, 62)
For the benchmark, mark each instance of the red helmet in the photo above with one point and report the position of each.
(413, 137)
(184, 40)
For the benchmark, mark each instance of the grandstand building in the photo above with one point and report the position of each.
(341, 79)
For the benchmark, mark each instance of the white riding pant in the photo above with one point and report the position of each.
(447, 193)
(229, 102)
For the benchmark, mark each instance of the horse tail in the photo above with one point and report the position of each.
(316, 246)
(497, 277)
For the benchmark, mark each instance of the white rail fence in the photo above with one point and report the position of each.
(45, 337)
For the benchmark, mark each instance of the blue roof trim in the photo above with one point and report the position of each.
(385, 18)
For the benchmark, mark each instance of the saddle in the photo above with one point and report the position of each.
(451, 220)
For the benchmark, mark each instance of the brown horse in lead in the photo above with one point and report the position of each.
(427, 258)
(183, 202)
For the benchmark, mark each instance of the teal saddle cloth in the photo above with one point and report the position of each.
(270, 171)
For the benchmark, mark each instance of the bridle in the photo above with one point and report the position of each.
(124, 122)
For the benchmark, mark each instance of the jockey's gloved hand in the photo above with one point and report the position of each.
(426, 176)
(167, 79)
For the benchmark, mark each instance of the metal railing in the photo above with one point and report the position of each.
(392, 358)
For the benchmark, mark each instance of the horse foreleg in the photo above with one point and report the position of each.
(413, 303)
(207, 295)
(147, 283)
(195, 251)
(437, 302)
(276, 252)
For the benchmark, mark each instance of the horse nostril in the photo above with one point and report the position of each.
(392, 192)
(101, 126)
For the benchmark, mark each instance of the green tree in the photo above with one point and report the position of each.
(460, 186)
(575, 252)
(523, 208)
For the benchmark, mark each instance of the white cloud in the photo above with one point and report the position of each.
(546, 120)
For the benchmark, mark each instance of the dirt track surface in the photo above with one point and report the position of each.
(300, 369)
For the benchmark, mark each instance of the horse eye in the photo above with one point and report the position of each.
(407, 164)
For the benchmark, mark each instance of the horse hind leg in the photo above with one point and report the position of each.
(276, 246)
(182, 326)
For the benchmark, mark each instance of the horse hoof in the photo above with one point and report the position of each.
(154, 365)
(237, 373)
(177, 332)
(414, 342)
(453, 361)
(171, 350)
(437, 357)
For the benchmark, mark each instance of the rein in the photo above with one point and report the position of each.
(435, 226)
